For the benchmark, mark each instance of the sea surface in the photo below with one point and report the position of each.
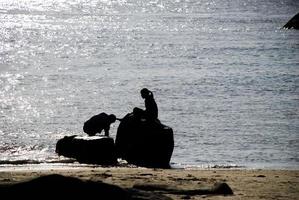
(224, 74)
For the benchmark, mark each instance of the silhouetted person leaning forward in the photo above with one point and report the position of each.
(98, 123)
(151, 109)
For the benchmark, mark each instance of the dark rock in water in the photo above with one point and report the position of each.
(53, 186)
(293, 23)
(92, 150)
(144, 143)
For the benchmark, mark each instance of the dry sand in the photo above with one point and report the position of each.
(246, 184)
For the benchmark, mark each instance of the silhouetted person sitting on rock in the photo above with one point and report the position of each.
(97, 123)
(151, 108)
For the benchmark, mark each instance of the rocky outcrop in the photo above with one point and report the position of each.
(93, 150)
(293, 23)
(144, 143)
(138, 141)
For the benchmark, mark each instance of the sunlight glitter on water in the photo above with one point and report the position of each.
(225, 76)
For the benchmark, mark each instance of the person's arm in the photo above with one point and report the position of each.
(106, 129)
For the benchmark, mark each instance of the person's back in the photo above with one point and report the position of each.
(151, 108)
(97, 123)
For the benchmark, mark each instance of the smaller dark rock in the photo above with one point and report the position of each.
(293, 23)
(222, 188)
(91, 150)
(261, 176)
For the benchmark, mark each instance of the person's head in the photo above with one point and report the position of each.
(145, 93)
(112, 118)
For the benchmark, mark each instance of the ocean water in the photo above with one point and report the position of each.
(225, 76)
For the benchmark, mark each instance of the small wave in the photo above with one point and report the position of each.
(64, 162)
(226, 166)
(18, 162)
(24, 162)
(206, 166)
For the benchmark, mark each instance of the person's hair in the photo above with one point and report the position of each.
(112, 118)
(145, 92)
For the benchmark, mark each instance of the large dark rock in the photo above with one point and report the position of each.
(144, 143)
(93, 150)
(293, 23)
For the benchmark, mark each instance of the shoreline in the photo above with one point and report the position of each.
(245, 183)
(72, 165)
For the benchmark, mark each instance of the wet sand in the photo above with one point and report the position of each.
(246, 184)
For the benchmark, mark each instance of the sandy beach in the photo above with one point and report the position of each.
(245, 183)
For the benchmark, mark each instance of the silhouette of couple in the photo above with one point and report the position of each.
(102, 121)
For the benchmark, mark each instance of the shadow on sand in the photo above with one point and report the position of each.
(53, 186)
